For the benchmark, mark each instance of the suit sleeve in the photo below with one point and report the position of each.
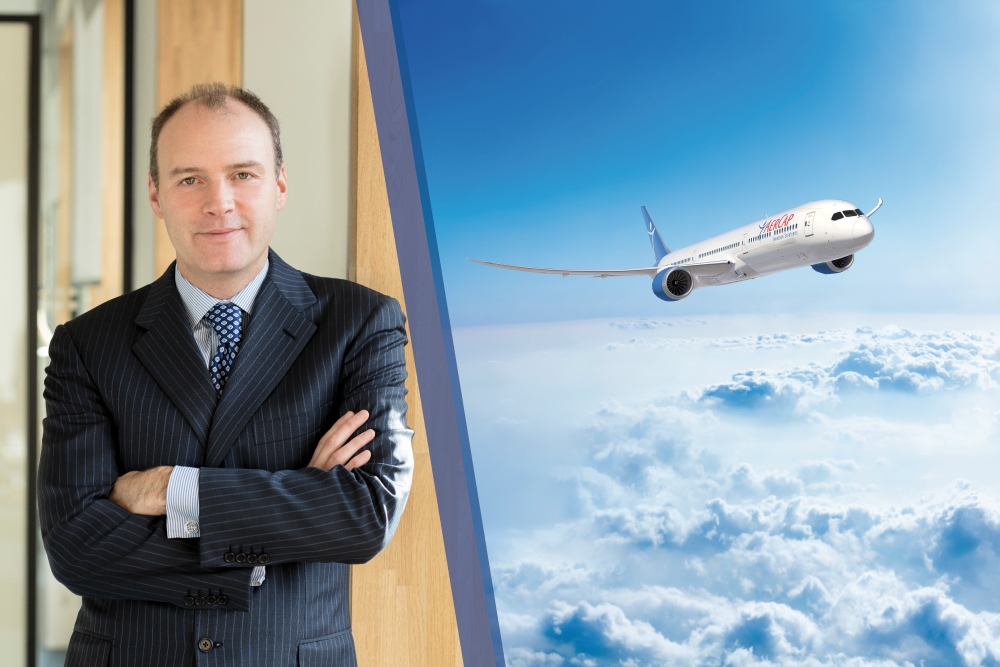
(94, 546)
(325, 516)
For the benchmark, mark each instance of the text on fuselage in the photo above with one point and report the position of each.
(776, 223)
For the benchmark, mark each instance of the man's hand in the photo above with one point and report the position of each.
(335, 449)
(143, 491)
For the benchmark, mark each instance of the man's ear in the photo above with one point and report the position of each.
(282, 185)
(154, 196)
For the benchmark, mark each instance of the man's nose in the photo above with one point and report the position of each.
(220, 199)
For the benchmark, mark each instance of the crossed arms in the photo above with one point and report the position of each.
(343, 507)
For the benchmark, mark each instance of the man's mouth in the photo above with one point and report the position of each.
(222, 233)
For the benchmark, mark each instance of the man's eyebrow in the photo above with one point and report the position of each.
(177, 171)
(244, 165)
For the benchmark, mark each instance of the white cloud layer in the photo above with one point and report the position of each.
(676, 549)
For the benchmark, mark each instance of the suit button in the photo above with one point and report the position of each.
(263, 558)
(241, 557)
(223, 600)
(211, 599)
(205, 644)
(251, 558)
(200, 600)
(230, 557)
(189, 600)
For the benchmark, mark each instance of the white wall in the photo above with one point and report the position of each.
(143, 220)
(18, 6)
(297, 58)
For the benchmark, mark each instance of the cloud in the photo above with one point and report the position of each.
(921, 363)
(890, 359)
(752, 519)
(783, 390)
(782, 582)
(523, 657)
(641, 323)
(771, 631)
(605, 632)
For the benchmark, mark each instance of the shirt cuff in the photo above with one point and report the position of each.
(183, 506)
(257, 576)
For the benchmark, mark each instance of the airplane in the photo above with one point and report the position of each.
(823, 234)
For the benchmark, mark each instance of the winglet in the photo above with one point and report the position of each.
(660, 249)
(877, 207)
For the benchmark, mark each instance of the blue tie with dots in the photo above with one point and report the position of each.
(227, 320)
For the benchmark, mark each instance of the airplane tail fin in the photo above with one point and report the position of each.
(660, 249)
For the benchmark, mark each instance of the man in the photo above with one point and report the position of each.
(220, 444)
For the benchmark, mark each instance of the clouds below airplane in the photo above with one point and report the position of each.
(771, 518)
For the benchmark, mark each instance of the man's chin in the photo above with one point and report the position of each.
(228, 265)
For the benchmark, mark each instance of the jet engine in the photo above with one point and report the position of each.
(673, 283)
(835, 266)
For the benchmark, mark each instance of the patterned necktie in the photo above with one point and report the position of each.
(227, 320)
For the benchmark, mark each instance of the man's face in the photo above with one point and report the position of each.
(218, 193)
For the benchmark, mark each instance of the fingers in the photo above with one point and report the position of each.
(335, 449)
(336, 436)
(359, 460)
(142, 491)
(343, 455)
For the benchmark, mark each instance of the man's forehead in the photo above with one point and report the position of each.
(195, 115)
(233, 127)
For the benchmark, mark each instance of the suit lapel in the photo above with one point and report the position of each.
(168, 351)
(276, 334)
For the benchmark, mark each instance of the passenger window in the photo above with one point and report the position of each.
(837, 216)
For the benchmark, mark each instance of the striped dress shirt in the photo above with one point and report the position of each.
(183, 506)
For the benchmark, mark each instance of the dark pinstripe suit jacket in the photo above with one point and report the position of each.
(127, 389)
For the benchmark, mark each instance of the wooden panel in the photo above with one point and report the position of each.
(401, 602)
(61, 271)
(112, 149)
(199, 41)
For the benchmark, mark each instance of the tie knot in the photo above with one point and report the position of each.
(227, 320)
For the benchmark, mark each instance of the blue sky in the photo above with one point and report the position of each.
(546, 125)
(796, 470)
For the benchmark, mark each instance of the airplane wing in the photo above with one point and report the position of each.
(708, 269)
(712, 269)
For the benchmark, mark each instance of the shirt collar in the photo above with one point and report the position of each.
(197, 302)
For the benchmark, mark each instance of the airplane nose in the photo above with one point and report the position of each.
(863, 230)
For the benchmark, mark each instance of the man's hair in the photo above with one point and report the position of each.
(214, 96)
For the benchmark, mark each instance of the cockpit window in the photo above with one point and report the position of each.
(850, 213)
(858, 211)
(837, 216)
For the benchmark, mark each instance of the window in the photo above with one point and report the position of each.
(850, 213)
(858, 211)
(837, 216)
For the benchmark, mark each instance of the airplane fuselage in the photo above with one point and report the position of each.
(807, 235)
(822, 234)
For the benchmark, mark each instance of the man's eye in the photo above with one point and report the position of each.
(244, 175)
(190, 180)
